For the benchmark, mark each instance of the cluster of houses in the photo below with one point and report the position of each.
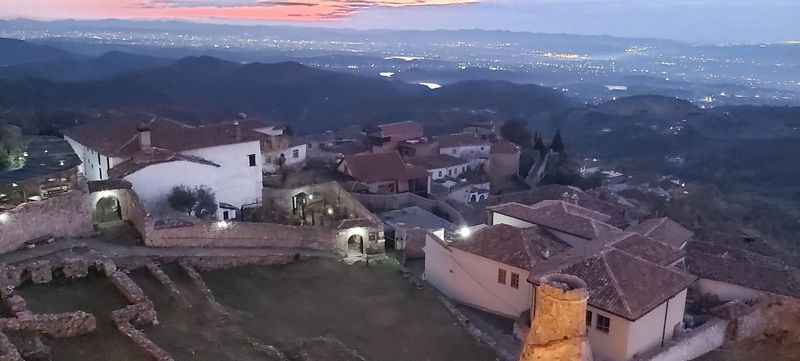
(637, 275)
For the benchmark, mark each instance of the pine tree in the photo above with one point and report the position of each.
(557, 145)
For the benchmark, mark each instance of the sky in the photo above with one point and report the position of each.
(715, 21)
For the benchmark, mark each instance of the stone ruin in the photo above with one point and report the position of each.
(60, 325)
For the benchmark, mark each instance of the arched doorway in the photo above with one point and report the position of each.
(355, 244)
(108, 209)
(472, 199)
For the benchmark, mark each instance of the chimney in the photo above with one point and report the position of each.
(237, 130)
(558, 326)
(144, 137)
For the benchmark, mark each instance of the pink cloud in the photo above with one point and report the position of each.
(291, 10)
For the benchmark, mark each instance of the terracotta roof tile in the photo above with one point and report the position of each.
(460, 140)
(625, 285)
(560, 216)
(647, 248)
(150, 157)
(378, 167)
(119, 137)
(438, 161)
(504, 148)
(518, 247)
(741, 267)
(664, 230)
(108, 185)
(400, 128)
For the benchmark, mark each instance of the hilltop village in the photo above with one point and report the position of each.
(450, 211)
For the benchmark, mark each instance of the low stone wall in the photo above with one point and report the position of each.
(59, 325)
(165, 281)
(129, 289)
(202, 286)
(8, 352)
(68, 215)
(386, 202)
(140, 314)
(199, 233)
(222, 262)
(692, 344)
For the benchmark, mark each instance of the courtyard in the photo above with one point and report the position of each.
(312, 310)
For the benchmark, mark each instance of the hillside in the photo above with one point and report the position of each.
(103, 67)
(13, 51)
(308, 99)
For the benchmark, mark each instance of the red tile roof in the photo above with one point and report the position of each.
(504, 148)
(378, 167)
(560, 216)
(664, 230)
(438, 161)
(647, 248)
(119, 137)
(108, 185)
(400, 128)
(741, 267)
(153, 156)
(518, 247)
(626, 285)
(460, 140)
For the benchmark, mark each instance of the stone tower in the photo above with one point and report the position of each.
(558, 327)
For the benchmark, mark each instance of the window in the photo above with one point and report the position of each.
(514, 280)
(501, 276)
(481, 148)
(453, 151)
(449, 172)
(603, 323)
(252, 159)
(440, 173)
(464, 168)
(225, 215)
(588, 318)
(296, 153)
(310, 145)
(373, 236)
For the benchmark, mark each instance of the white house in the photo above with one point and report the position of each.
(636, 295)
(159, 154)
(278, 147)
(460, 190)
(401, 224)
(489, 268)
(442, 165)
(467, 146)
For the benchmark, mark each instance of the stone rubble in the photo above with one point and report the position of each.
(129, 289)
(41, 272)
(8, 352)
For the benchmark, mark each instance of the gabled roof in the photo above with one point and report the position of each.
(438, 161)
(626, 285)
(391, 129)
(153, 156)
(646, 248)
(460, 140)
(741, 267)
(378, 167)
(518, 247)
(665, 230)
(119, 137)
(504, 148)
(108, 185)
(561, 216)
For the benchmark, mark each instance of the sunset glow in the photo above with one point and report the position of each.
(296, 10)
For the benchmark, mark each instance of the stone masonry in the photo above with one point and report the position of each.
(558, 328)
(75, 267)
(41, 272)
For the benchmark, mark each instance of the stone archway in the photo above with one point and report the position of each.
(107, 209)
(472, 199)
(355, 244)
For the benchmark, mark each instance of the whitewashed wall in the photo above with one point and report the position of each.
(472, 280)
(95, 166)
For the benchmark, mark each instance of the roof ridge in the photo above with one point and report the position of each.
(615, 283)
(527, 246)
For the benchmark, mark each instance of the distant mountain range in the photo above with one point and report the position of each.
(208, 89)
(13, 51)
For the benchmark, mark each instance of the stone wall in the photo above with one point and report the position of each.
(194, 232)
(332, 191)
(68, 215)
(386, 202)
(692, 344)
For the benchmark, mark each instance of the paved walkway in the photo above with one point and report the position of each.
(110, 250)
